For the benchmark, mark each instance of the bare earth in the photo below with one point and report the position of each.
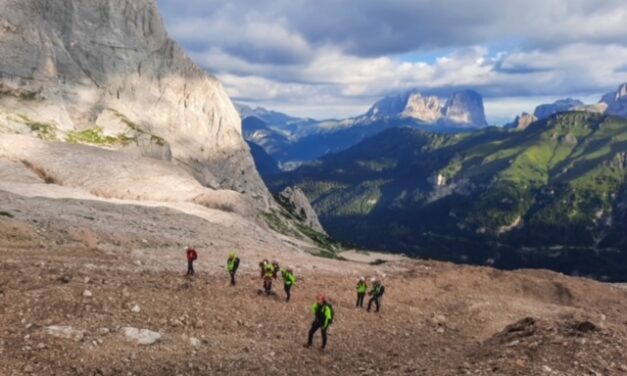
(437, 318)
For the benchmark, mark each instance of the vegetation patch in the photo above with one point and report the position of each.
(45, 131)
(96, 136)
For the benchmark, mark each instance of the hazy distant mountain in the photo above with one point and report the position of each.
(616, 101)
(463, 109)
(268, 116)
(292, 141)
(543, 111)
(266, 165)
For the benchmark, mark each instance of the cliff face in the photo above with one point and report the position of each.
(461, 109)
(105, 72)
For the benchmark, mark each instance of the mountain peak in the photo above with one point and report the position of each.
(462, 108)
(616, 101)
(543, 111)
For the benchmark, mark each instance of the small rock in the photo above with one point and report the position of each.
(141, 336)
(103, 331)
(194, 342)
(64, 331)
(87, 294)
(66, 279)
(546, 368)
(136, 309)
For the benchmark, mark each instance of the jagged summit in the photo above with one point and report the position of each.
(463, 108)
(616, 101)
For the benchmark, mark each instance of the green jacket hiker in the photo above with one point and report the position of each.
(323, 317)
(289, 280)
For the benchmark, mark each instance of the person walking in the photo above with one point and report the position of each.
(323, 317)
(267, 274)
(289, 280)
(232, 263)
(376, 294)
(192, 255)
(362, 288)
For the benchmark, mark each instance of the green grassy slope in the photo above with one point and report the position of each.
(552, 195)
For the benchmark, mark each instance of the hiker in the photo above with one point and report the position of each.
(376, 294)
(191, 257)
(267, 274)
(323, 317)
(275, 265)
(262, 266)
(231, 265)
(289, 280)
(362, 288)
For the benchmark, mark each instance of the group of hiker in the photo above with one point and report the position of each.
(322, 308)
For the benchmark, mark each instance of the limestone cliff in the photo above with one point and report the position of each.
(105, 73)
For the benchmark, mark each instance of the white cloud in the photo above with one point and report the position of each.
(325, 58)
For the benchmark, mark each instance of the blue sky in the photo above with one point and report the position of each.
(332, 58)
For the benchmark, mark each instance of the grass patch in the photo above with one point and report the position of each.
(96, 136)
(45, 131)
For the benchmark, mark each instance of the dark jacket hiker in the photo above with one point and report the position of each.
(376, 294)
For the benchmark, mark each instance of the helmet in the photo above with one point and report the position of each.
(362, 279)
(373, 279)
(321, 298)
(232, 255)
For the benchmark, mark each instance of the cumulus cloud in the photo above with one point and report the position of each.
(341, 56)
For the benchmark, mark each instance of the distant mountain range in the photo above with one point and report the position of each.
(553, 195)
(292, 141)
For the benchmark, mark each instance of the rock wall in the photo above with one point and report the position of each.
(73, 69)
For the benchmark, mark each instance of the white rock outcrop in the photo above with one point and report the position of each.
(105, 72)
(141, 336)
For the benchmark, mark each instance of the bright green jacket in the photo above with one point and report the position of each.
(231, 262)
(362, 287)
(288, 278)
(269, 270)
(323, 311)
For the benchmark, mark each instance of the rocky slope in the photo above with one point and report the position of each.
(106, 73)
(77, 285)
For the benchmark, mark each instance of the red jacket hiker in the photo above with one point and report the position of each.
(191, 254)
(191, 257)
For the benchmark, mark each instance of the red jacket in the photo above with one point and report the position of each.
(191, 255)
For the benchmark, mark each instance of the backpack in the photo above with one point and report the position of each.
(332, 313)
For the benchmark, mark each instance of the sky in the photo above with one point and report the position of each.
(334, 58)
